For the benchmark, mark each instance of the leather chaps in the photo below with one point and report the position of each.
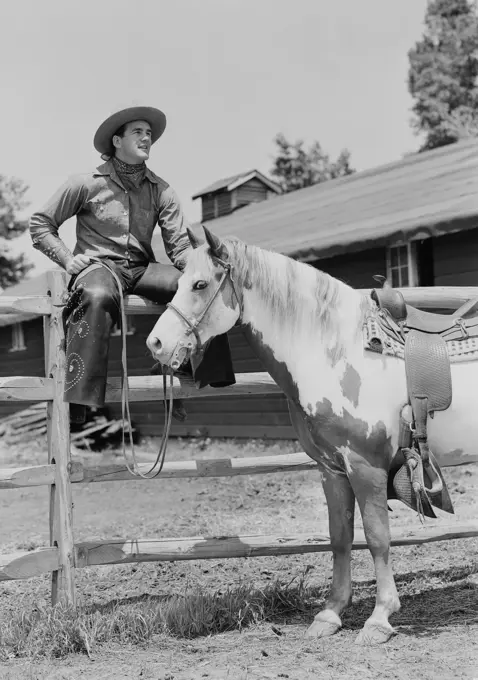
(93, 308)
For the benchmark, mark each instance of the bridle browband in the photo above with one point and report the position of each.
(192, 324)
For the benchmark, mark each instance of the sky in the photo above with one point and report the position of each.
(229, 75)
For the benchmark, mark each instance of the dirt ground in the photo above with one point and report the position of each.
(437, 626)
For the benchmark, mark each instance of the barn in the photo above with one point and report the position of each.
(414, 221)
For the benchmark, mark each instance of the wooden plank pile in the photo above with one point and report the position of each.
(24, 425)
(31, 423)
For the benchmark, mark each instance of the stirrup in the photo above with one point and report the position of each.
(409, 485)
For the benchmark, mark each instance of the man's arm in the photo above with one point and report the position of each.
(173, 225)
(44, 224)
(54, 248)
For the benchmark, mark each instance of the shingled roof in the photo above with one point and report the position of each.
(427, 194)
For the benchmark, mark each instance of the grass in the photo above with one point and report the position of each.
(430, 601)
(46, 632)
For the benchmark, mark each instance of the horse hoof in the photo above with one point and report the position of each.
(325, 624)
(375, 634)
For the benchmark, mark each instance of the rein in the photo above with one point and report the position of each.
(157, 466)
(178, 356)
(192, 324)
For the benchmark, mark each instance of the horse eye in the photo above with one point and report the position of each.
(199, 285)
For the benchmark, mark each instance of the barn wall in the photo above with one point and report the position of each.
(251, 192)
(216, 205)
(356, 270)
(208, 208)
(24, 362)
(455, 259)
(223, 202)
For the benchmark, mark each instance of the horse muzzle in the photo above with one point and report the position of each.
(173, 359)
(181, 352)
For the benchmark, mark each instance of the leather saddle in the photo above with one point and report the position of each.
(457, 326)
(424, 336)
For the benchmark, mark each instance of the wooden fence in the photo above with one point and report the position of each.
(64, 555)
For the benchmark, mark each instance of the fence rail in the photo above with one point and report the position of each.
(63, 555)
(141, 388)
(436, 297)
(119, 551)
(79, 473)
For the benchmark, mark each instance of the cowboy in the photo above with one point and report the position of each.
(117, 207)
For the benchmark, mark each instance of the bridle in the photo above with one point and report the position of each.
(192, 324)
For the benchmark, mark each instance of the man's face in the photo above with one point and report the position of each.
(134, 146)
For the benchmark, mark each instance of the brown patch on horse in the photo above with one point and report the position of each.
(327, 431)
(350, 384)
(277, 369)
(331, 431)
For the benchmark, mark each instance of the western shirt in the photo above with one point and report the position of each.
(112, 221)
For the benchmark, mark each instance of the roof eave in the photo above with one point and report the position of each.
(239, 181)
(385, 240)
(255, 175)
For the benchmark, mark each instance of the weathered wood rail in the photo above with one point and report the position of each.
(93, 553)
(141, 388)
(41, 475)
(436, 297)
(60, 472)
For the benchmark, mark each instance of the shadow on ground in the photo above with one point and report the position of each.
(431, 601)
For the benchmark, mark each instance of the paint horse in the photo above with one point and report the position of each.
(306, 327)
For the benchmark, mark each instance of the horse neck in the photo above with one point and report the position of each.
(312, 337)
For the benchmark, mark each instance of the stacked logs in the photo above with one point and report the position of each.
(30, 424)
(24, 425)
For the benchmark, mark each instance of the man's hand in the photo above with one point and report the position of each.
(77, 264)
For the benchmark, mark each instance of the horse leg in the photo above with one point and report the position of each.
(370, 487)
(341, 505)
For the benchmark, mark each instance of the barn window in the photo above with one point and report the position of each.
(402, 265)
(130, 329)
(18, 338)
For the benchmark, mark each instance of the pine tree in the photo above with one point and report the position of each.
(443, 73)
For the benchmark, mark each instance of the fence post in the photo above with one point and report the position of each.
(59, 454)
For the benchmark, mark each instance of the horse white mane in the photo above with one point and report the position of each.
(297, 294)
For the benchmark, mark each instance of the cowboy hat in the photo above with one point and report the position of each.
(108, 128)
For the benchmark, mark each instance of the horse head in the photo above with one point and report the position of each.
(206, 304)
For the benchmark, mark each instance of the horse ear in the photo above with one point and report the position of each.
(193, 239)
(214, 242)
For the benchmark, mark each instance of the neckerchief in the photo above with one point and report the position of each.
(130, 171)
